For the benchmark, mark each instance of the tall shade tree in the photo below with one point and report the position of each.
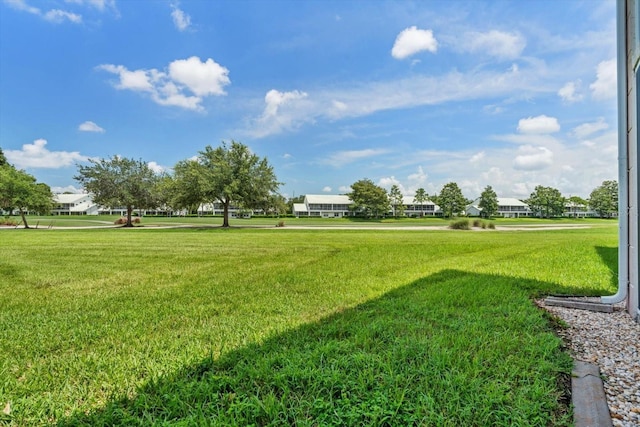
(604, 199)
(451, 200)
(19, 190)
(547, 202)
(120, 182)
(3, 159)
(187, 185)
(488, 202)
(230, 174)
(368, 198)
(396, 200)
(164, 192)
(420, 198)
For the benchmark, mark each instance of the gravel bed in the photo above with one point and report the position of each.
(611, 341)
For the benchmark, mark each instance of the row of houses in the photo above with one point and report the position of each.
(314, 205)
(83, 204)
(338, 206)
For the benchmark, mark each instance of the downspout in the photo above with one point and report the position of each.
(623, 167)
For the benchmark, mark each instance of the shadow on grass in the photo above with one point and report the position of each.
(609, 256)
(450, 349)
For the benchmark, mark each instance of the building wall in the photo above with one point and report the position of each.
(628, 167)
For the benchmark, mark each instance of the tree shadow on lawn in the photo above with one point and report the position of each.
(451, 349)
(609, 256)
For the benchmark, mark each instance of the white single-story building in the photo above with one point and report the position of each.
(338, 206)
(578, 210)
(74, 204)
(413, 208)
(323, 206)
(507, 207)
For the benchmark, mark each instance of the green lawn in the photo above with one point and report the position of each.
(151, 221)
(283, 327)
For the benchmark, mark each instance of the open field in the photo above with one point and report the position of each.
(281, 327)
(153, 221)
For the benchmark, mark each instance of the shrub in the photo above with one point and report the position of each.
(8, 221)
(280, 224)
(123, 220)
(461, 224)
(477, 223)
(492, 226)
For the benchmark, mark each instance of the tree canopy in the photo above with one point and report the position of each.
(368, 198)
(547, 202)
(396, 200)
(421, 196)
(119, 181)
(604, 199)
(488, 202)
(451, 200)
(229, 174)
(3, 159)
(19, 190)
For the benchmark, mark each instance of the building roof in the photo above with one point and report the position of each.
(510, 201)
(326, 199)
(70, 198)
(299, 207)
(408, 200)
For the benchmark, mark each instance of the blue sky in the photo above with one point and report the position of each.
(511, 94)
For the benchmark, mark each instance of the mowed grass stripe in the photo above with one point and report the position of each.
(92, 316)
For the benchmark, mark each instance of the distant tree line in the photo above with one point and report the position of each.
(234, 176)
(371, 200)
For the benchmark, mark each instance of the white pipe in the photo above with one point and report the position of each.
(623, 167)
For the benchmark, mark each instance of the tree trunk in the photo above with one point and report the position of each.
(129, 223)
(24, 219)
(225, 215)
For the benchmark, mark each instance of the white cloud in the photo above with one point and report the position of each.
(326, 189)
(533, 158)
(344, 189)
(477, 157)
(67, 189)
(36, 155)
(570, 92)
(413, 40)
(342, 158)
(364, 98)
(286, 156)
(538, 125)
(417, 179)
(388, 182)
(90, 126)
(138, 80)
(282, 111)
(414, 181)
(98, 4)
(156, 167)
(605, 86)
(495, 43)
(494, 174)
(181, 20)
(58, 16)
(202, 79)
(23, 6)
(586, 129)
